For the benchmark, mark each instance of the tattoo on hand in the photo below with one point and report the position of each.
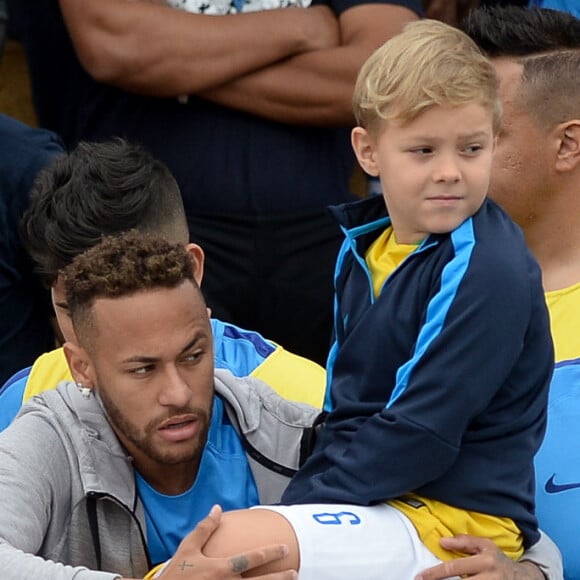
(239, 564)
(184, 565)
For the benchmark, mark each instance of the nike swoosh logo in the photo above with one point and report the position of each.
(552, 487)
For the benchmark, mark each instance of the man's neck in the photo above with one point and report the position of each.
(554, 239)
(174, 480)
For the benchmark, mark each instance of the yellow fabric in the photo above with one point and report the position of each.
(293, 377)
(434, 520)
(564, 307)
(47, 371)
(152, 572)
(384, 256)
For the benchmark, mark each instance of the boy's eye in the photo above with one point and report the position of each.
(422, 150)
(473, 148)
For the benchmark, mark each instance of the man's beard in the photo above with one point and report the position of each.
(143, 439)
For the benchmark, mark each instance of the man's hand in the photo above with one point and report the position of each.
(485, 562)
(189, 563)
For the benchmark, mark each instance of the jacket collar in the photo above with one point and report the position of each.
(104, 466)
(362, 212)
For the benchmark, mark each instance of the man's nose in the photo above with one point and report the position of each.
(175, 391)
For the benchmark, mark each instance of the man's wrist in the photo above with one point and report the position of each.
(535, 572)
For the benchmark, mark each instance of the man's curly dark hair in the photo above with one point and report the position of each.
(120, 266)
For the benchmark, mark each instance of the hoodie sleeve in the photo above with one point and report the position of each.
(35, 494)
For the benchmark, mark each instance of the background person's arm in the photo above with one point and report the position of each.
(315, 88)
(155, 49)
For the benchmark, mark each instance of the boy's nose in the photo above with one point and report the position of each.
(447, 170)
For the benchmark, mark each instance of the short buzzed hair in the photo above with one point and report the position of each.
(547, 45)
(121, 266)
(550, 87)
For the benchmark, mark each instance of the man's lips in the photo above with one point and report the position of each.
(179, 428)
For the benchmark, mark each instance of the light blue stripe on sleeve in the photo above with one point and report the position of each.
(463, 240)
(344, 249)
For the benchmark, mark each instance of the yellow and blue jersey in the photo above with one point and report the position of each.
(558, 460)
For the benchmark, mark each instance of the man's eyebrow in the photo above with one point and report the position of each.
(197, 338)
(140, 359)
(151, 359)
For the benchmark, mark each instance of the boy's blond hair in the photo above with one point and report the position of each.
(429, 63)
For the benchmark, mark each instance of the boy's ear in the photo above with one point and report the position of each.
(568, 141)
(79, 364)
(364, 148)
(198, 259)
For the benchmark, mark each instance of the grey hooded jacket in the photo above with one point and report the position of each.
(63, 474)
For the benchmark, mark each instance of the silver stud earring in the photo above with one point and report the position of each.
(86, 392)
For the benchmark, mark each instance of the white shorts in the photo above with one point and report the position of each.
(346, 542)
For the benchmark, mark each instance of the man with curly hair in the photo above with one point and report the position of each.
(101, 477)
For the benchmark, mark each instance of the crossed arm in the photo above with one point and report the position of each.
(291, 65)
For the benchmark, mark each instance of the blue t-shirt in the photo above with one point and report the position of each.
(558, 467)
(224, 478)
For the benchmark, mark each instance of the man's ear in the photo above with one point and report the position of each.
(79, 364)
(364, 148)
(568, 154)
(198, 258)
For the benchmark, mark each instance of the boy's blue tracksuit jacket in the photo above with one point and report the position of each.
(439, 386)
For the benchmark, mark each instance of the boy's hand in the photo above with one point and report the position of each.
(486, 562)
(189, 562)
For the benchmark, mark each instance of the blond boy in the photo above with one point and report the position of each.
(439, 373)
